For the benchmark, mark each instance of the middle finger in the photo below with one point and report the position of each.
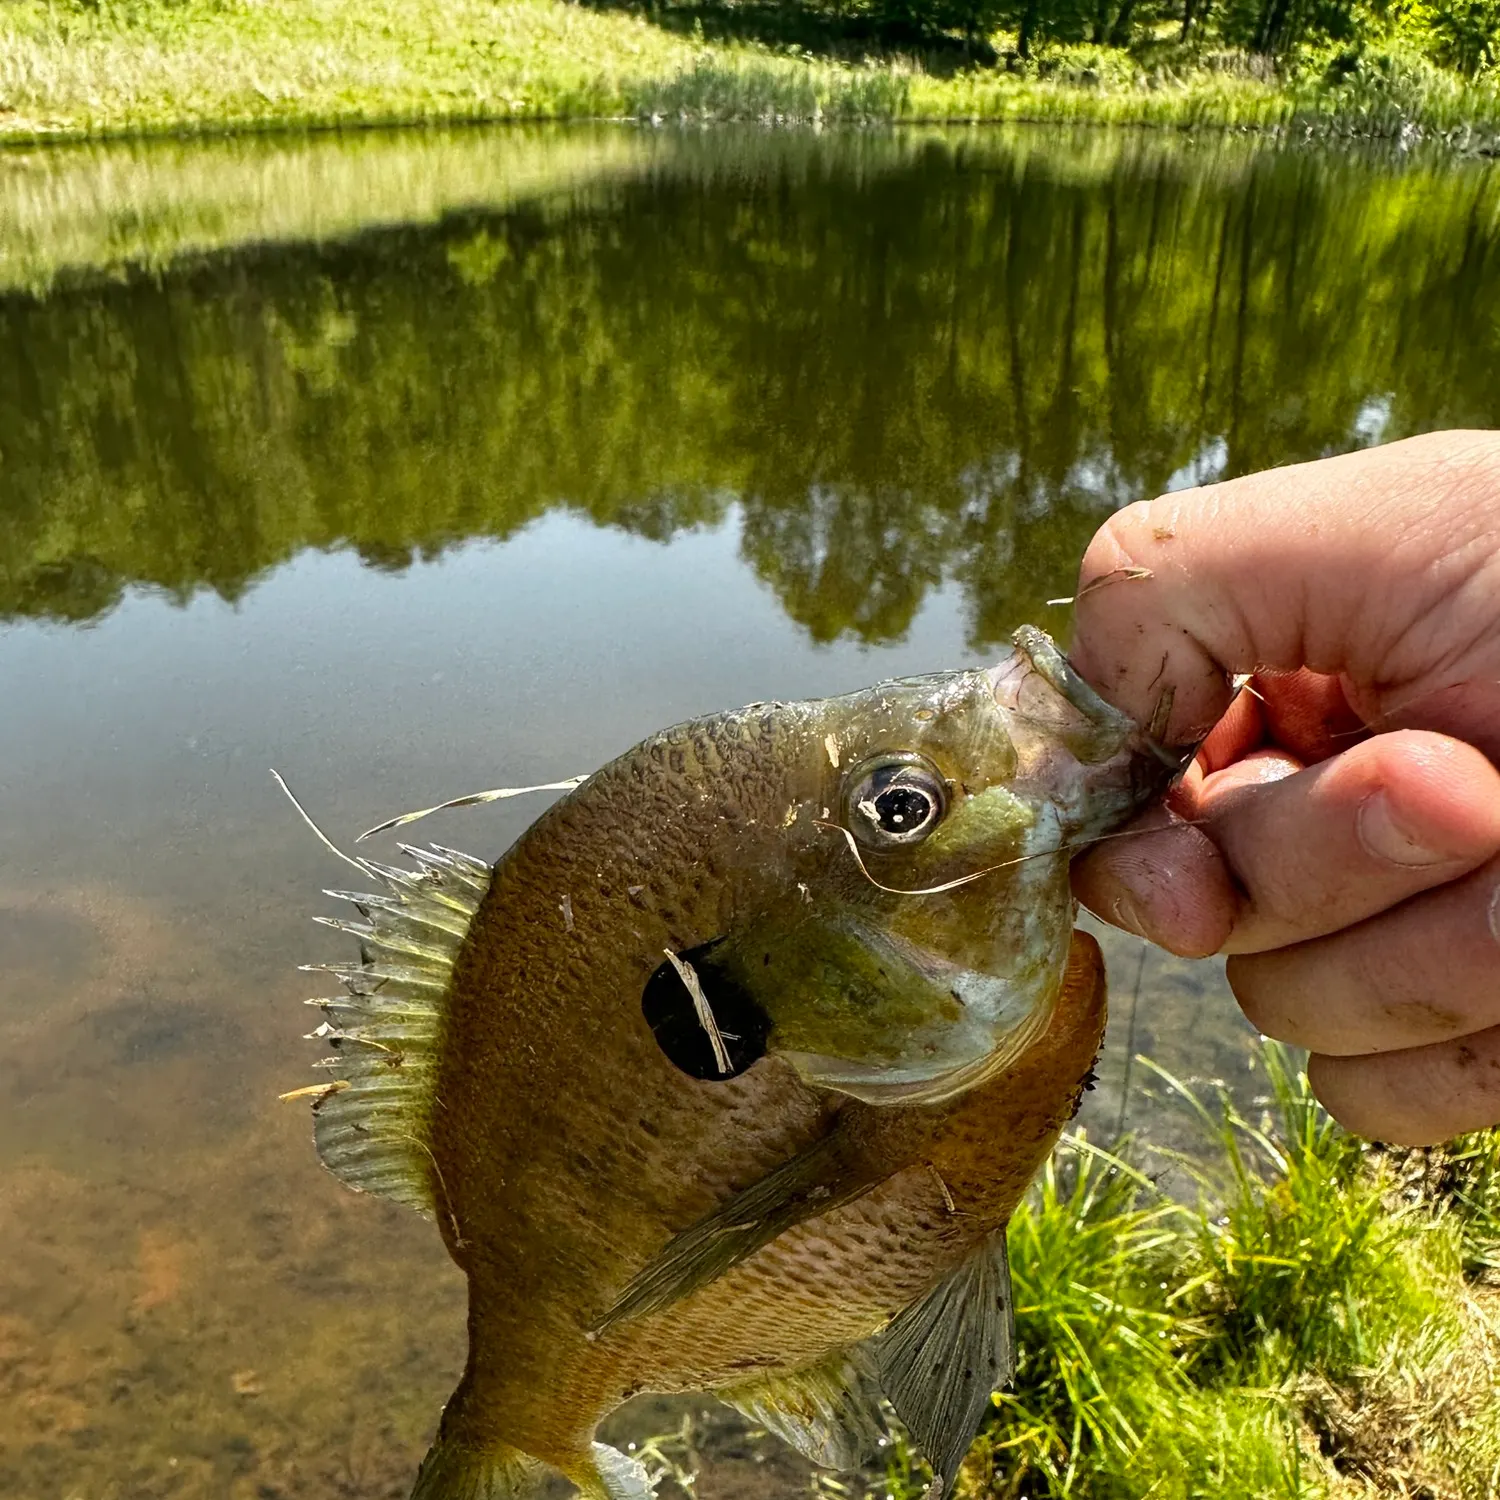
(1341, 841)
(1429, 971)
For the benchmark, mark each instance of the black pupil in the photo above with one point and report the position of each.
(901, 809)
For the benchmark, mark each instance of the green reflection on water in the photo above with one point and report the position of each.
(909, 359)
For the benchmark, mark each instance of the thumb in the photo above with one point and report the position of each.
(1382, 565)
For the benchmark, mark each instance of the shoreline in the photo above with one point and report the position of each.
(75, 212)
(203, 69)
(14, 142)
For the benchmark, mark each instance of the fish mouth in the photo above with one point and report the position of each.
(1038, 683)
(1119, 765)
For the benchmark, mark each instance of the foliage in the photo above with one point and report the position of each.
(1305, 1327)
(1306, 1273)
(1099, 1349)
(1460, 34)
(87, 68)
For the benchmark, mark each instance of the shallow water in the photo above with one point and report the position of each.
(416, 464)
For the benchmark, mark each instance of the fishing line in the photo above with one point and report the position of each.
(1008, 864)
(1135, 1001)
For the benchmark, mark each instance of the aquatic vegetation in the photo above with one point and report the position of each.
(1283, 1311)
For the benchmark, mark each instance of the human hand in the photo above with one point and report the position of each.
(1339, 833)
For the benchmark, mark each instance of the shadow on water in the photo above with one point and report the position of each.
(751, 414)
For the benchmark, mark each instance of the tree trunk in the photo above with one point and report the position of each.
(1119, 33)
(1272, 23)
(1188, 9)
(1028, 28)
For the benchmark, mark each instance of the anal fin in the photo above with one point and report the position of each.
(939, 1361)
(454, 1471)
(829, 1412)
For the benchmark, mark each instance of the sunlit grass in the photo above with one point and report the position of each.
(75, 69)
(1284, 1312)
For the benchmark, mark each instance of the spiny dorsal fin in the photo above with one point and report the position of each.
(830, 1412)
(941, 1359)
(371, 1124)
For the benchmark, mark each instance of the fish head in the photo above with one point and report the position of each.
(912, 940)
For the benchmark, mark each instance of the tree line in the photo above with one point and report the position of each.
(1462, 35)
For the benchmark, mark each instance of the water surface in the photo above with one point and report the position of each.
(412, 465)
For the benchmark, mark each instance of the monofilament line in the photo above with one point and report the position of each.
(973, 875)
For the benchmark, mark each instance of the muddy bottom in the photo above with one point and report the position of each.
(192, 1308)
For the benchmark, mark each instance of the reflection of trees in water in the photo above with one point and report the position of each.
(945, 366)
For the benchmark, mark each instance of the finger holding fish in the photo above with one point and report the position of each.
(1361, 592)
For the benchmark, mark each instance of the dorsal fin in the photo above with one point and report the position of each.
(370, 1123)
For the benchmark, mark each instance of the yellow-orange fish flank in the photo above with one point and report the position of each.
(728, 1075)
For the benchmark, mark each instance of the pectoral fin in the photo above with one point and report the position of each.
(829, 1413)
(939, 1361)
(817, 1180)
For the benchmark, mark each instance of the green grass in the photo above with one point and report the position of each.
(1301, 1316)
(88, 68)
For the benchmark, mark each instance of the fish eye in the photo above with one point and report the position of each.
(894, 801)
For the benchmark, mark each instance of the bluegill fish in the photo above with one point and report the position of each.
(727, 1076)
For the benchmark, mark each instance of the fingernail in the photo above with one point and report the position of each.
(1125, 913)
(1495, 914)
(1385, 838)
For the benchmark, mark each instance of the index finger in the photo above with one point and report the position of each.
(1338, 565)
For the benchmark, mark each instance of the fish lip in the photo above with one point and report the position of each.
(1041, 653)
(1058, 721)
(1105, 731)
(1037, 683)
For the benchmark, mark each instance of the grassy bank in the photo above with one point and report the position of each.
(70, 69)
(1301, 1316)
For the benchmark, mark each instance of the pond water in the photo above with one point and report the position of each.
(413, 465)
